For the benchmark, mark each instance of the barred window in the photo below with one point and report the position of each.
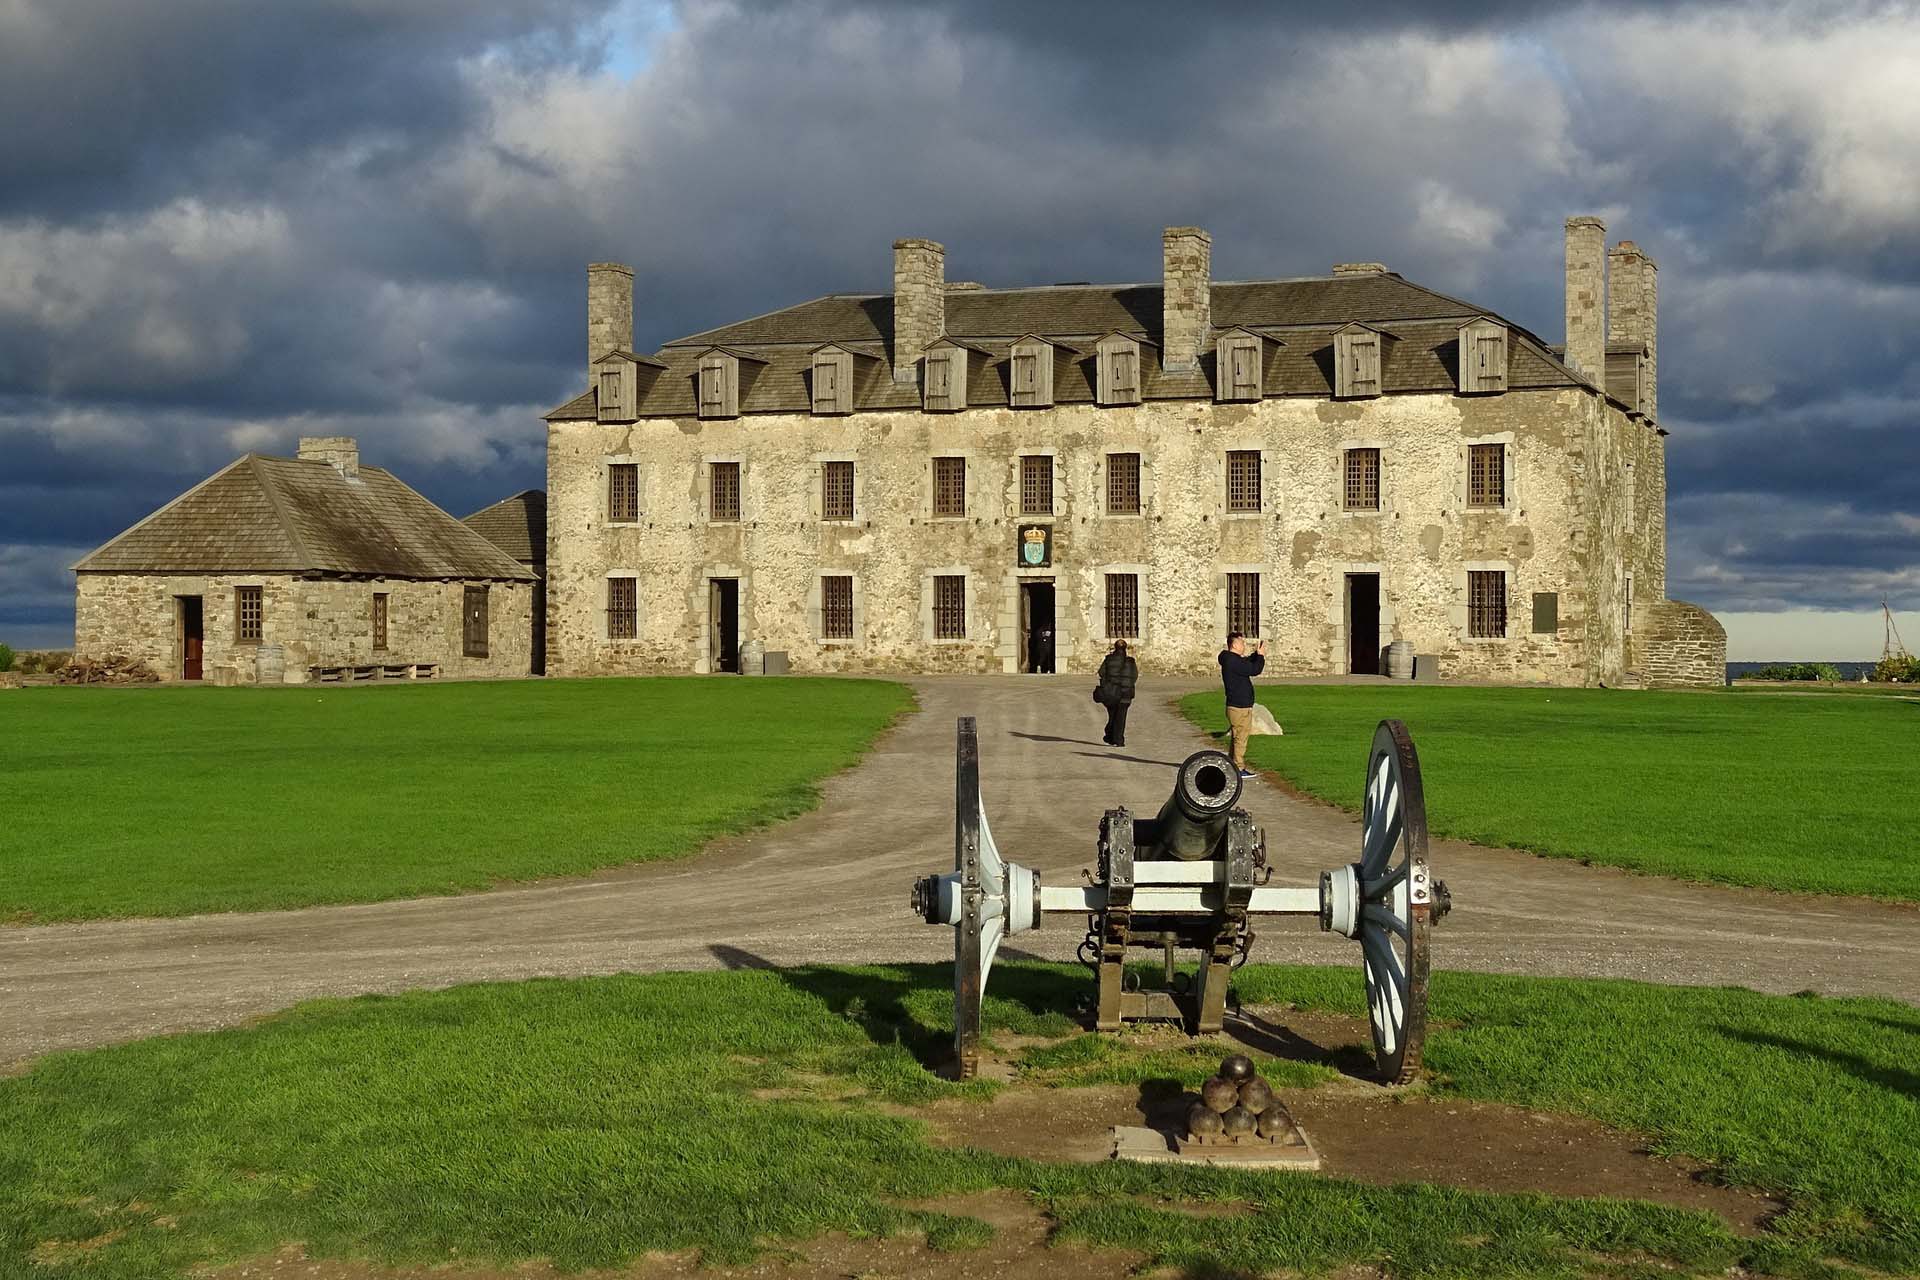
(1036, 486)
(950, 607)
(1487, 475)
(836, 608)
(949, 486)
(836, 497)
(725, 480)
(1486, 603)
(1243, 603)
(379, 620)
(248, 611)
(623, 492)
(1123, 484)
(1243, 480)
(1123, 606)
(623, 608)
(1363, 480)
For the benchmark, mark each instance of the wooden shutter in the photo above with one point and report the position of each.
(1237, 368)
(1356, 370)
(473, 614)
(719, 386)
(946, 379)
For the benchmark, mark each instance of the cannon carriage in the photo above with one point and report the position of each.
(1193, 878)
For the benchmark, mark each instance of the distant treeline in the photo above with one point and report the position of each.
(1902, 670)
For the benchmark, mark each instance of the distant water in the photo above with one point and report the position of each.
(1848, 670)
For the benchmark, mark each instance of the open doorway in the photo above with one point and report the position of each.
(192, 615)
(723, 625)
(1038, 636)
(1363, 624)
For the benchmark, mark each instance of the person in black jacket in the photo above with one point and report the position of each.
(1237, 670)
(1118, 674)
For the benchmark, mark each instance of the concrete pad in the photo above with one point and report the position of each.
(1149, 1146)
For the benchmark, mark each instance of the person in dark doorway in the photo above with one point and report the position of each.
(1118, 674)
(1238, 667)
(1043, 660)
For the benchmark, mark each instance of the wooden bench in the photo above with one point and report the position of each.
(361, 673)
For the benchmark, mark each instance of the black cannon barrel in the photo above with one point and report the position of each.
(1192, 824)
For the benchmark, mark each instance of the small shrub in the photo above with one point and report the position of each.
(1794, 671)
(42, 662)
(1899, 668)
(6, 658)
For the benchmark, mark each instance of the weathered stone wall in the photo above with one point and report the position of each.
(1684, 646)
(325, 622)
(1567, 527)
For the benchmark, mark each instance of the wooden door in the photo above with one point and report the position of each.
(193, 638)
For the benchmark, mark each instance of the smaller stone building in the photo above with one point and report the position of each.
(518, 526)
(274, 566)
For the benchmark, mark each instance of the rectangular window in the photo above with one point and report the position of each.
(248, 613)
(379, 620)
(623, 492)
(836, 491)
(1243, 603)
(1486, 603)
(725, 481)
(623, 608)
(1243, 480)
(949, 486)
(1363, 480)
(1036, 486)
(1123, 606)
(473, 622)
(836, 608)
(1487, 475)
(1123, 484)
(1628, 622)
(950, 607)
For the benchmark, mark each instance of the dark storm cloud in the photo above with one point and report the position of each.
(225, 225)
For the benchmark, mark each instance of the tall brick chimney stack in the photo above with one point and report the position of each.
(1587, 298)
(1186, 297)
(919, 302)
(609, 310)
(343, 452)
(1633, 312)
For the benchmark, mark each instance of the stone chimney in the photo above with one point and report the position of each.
(1186, 296)
(1587, 298)
(609, 310)
(343, 452)
(919, 302)
(1633, 312)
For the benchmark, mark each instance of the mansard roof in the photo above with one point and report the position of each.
(1300, 314)
(285, 515)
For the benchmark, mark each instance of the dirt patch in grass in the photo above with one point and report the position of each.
(1019, 1250)
(1371, 1134)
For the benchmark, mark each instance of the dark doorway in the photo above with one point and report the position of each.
(1363, 624)
(723, 624)
(1038, 637)
(193, 636)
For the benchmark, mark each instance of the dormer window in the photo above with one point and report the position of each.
(1240, 365)
(1358, 350)
(1483, 356)
(1030, 373)
(725, 376)
(1119, 369)
(1627, 373)
(621, 378)
(945, 388)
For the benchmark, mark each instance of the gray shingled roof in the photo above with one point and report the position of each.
(516, 525)
(283, 515)
(1300, 314)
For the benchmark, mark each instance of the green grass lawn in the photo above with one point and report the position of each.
(589, 1121)
(169, 801)
(1804, 794)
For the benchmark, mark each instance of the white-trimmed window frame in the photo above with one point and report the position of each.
(1220, 575)
(639, 607)
(971, 487)
(1061, 491)
(607, 463)
(966, 574)
(1462, 610)
(1221, 468)
(1141, 575)
(1340, 479)
(705, 494)
(817, 608)
(817, 490)
(1097, 482)
(1463, 487)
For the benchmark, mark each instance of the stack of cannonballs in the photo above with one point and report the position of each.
(1237, 1105)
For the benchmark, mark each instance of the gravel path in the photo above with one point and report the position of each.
(832, 886)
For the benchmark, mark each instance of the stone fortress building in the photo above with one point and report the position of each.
(940, 478)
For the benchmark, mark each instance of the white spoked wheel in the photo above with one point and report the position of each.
(1393, 891)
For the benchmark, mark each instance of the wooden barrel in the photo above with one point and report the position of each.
(1400, 660)
(270, 664)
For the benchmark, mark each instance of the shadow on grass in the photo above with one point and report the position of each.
(1906, 1083)
(1270, 1038)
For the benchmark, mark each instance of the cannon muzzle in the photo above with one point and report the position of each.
(1192, 824)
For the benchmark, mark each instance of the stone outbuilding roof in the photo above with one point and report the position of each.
(516, 525)
(1300, 315)
(284, 515)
